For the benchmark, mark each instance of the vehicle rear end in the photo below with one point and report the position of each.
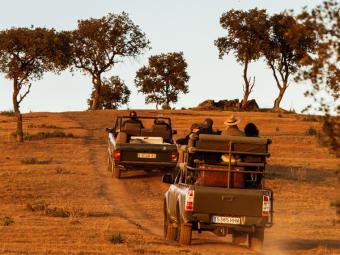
(224, 210)
(146, 156)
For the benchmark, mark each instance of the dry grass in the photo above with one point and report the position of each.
(78, 212)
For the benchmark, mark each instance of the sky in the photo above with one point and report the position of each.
(190, 26)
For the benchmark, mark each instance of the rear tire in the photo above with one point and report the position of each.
(115, 170)
(170, 232)
(109, 163)
(239, 237)
(184, 231)
(256, 239)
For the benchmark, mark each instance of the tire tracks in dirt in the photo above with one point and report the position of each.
(117, 193)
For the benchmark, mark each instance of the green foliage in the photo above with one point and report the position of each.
(98, 44)
(247, 31)
(25, 55)
(163, 79)
(113, 93)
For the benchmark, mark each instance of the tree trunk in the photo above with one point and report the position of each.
(278, 100)
(247, 88)
(97, 84)
(16, 108)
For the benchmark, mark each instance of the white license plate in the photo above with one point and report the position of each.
(146, 155)
(226, 220)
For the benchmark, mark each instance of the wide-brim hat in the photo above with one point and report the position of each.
(232, 120)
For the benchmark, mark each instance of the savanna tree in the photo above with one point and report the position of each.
(246, 33)
(113, 94)
(25, 55)
(99, 44)
(163, 79)
(289, 44)
(322, 68)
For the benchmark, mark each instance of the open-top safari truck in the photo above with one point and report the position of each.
(145, 143)
(219, 186)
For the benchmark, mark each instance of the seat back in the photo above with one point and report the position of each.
(132, 129)
(161, 130)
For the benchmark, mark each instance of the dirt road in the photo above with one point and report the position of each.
(101, 207)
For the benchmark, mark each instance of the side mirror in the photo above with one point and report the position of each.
(167, 178)
(174, 132)
(109, 130)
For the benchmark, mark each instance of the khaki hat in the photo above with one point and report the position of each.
(232, 120)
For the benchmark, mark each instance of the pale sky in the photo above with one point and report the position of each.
(190, 26)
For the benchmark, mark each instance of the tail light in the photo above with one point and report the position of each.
(116, 155)
(265, 205)
(174, 156)
(189, 201)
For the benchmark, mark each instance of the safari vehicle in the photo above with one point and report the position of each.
(220, 187)
(144, 144)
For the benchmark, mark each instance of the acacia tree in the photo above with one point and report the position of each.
(25, 55)
(163, 79)
(246, 33)
(322, 68)
(113, 93)
(289, 44)
(98, 44)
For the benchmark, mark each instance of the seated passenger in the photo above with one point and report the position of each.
(206, 127)
(193, 129)
(251, 130)
(232, 128)
(133, 119)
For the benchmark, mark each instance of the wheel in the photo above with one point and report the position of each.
(170, 232)
(115, 170)
(256, 239)
(109, 167)
(239, 237)
(184, 231)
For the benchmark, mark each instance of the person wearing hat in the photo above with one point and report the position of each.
(232, 128)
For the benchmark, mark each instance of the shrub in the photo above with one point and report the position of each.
(6, 221)
(8, 113)
(311, 131)
(39, 205)
(35, 161)
(57, 212)
(46, 135)
(116, 238)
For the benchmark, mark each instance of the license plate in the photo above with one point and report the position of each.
(146, 155)
(226, 220)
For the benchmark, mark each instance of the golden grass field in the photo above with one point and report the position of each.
(109, 216)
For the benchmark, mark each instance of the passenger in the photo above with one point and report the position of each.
(251, 130)
(193, 129)
(133, 119)
(232, 128)
(207, 127)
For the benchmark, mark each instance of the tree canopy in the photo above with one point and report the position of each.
(113, 94)
(246, 32)
(289, 44)
(163, 79)
(98, 44)
(25, 55)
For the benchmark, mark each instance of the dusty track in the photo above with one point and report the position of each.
(132, 205)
